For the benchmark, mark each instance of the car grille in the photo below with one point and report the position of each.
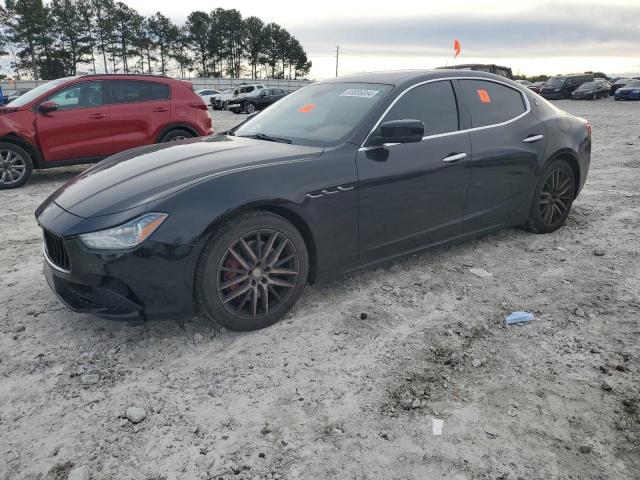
(56, 251)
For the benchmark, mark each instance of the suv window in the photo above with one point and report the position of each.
(79, 95)
(433, 103)
(127, 91)
(491, 102)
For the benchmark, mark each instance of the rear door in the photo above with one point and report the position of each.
(139, 111)
(80, 126)
(413, 194)
(508, 144)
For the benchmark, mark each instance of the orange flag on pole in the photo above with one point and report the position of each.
(456, 48)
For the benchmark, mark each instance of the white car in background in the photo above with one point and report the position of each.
(220, 101)
(206, 94)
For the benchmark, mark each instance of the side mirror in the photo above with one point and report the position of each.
(400, 131)
(48, 106)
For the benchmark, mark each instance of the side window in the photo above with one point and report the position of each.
(80, 95)
(128, 91)
(260, 86)
(249, 89)
(491, 102)
(433, 103)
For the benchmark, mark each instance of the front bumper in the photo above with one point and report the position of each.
(627, 96)
(152, 281)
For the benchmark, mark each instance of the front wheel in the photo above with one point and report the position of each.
(250, 108)
(16, 166)
(252, 271)
(552, 199)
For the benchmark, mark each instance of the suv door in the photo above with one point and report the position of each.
(413, 194)
(79, 127)
(508, 144)
(140, 110)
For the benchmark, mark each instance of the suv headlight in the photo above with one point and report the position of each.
(128, 235)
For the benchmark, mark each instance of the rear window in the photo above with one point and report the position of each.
(491, 103)
(128, 91)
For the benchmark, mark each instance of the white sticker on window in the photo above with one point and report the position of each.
(358, 92)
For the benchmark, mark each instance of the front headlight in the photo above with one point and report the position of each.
(128, 235)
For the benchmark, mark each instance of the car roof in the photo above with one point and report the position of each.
(401, 77)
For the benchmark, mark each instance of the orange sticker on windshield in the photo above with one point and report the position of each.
(484, 96)
(307, 108)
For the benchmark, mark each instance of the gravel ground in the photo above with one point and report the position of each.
(348, 385)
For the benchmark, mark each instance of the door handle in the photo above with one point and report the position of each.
(533, 138)
(98, 116)
(454, 157)
(160, 109)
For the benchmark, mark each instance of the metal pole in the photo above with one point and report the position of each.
(337, 55)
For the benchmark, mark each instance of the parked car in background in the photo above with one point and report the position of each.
(336, 176)
(481, 67)
(631, 91)
(256, 100)
(536, 86)
(562, 86)
(206, 94)
(220, 102)
(591, 91)
(619, 83)
(219, 99)
(13, 94)
(85, 119)
(524, 83)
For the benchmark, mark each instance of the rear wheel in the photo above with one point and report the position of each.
(252, 271)
(175, 136)
(16, 166)
(552, 198)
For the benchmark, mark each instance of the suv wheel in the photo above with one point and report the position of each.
(16, 166)
(175, 136)
(250, 108)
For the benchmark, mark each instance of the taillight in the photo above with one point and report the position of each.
(588, 128)
(200, 106)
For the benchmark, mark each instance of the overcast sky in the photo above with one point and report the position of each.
(530, 36)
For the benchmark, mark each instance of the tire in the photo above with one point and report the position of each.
(236, 111)
(552, 198)
(250, 108)
(230, 287)
(224, 105)
(175, 136)
(16, 166)
(616, 99)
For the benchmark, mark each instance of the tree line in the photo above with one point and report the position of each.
(68, 37)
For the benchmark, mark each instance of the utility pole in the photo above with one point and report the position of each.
(337, 55)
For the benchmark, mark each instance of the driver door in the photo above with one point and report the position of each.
(413, 194)
(79, 127)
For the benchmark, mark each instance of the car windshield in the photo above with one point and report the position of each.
(556, 81)
(318, 114)
(587, 86)
(31, 95)
(633, 84)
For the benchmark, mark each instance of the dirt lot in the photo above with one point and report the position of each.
(330, 394)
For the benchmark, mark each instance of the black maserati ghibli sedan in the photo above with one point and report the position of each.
(334, 177)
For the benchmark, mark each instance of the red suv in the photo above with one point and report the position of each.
(85, 119)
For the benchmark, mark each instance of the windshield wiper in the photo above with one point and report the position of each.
(268, 138)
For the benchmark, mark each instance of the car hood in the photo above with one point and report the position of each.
(141, 175)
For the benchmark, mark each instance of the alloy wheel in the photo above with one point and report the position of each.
(556, 196)
(178, 138)
(250, 108)
(258, 274)
(12, 167)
